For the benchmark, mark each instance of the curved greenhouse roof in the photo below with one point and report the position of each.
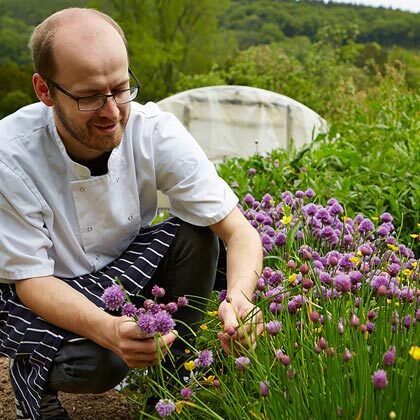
(239, 121)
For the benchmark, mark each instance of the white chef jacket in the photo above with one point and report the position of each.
(57, 219)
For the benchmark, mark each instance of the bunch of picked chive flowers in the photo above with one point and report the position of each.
(153, 318)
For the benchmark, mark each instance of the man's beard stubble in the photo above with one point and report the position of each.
(105, 143)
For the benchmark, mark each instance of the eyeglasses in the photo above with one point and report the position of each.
(95, 102)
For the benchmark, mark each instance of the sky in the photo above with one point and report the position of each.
(408, 5)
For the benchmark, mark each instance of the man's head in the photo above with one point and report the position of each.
(83, 53)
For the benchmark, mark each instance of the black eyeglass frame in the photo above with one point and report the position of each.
(105, 97)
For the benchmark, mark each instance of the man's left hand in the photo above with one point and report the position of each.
(242, 323)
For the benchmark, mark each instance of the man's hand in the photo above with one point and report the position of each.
(61, 305)
(137, 350)
(242, 322)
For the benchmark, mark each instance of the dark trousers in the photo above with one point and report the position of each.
(188, 267)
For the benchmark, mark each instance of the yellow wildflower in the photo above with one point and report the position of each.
(414, 235)
(178, 406)
(209, 380)
(292, 277)
(375, 218)
(415, 352)
(359, 253)
(414, 264)
(286, 220)
(187, 351)
(189, 365)
(319, 329)
(212, 313)
(392, 247)
(355, 260)
(204, 327)
(407, 272)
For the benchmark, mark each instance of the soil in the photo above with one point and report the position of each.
(110, 405)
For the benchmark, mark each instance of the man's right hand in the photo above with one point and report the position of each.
(61, 305)
(136, 349)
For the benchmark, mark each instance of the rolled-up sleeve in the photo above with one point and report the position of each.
(24, 241)
(196, 192)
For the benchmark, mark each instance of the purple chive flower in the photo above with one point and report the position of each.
(242, 363)
(276, 308)
(280, 239)
(113, 297)
(299, 194)
(342, 283)
(385, 218)
(354, 320)
(322, 343)
(182, 301)
(260, 217)
(309, 193)
(336, 209)
(249, 199)
(407, 321)
(366, 249)
(283, 358)
(355, 277)
(323, 215)
(171, 307)
(267, 198)
(156, 308)
(273, 327)
(366, 226)
(347, 355)
(148, 304)
(383, 231)
(287, 197)
(129, 310)
(389, 356)
(204, 359)
(310, 209)
(379, 379)
(146, 323)
(163, 322)
(165, 407)
(158, 291)
(186, 393)
(370, 326)
(252, 171)
(264, 388)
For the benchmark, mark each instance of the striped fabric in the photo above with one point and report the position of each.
(32, 342)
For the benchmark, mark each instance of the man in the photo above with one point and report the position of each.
(79, 172)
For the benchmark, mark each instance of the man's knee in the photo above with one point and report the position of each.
(201, 241)
(86, 367)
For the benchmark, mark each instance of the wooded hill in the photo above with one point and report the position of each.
(169, 39)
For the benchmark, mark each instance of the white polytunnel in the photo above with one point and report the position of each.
(241, 121)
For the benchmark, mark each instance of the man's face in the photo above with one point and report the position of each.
(100, 130)
(89, 65)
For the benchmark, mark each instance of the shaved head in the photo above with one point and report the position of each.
(76, 26)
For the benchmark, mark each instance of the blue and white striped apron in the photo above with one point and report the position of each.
(32, 342)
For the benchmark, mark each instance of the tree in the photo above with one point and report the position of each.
(168, 37)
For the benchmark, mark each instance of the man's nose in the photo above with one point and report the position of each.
(110, 109)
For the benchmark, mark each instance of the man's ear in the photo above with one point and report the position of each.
(42, 90)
